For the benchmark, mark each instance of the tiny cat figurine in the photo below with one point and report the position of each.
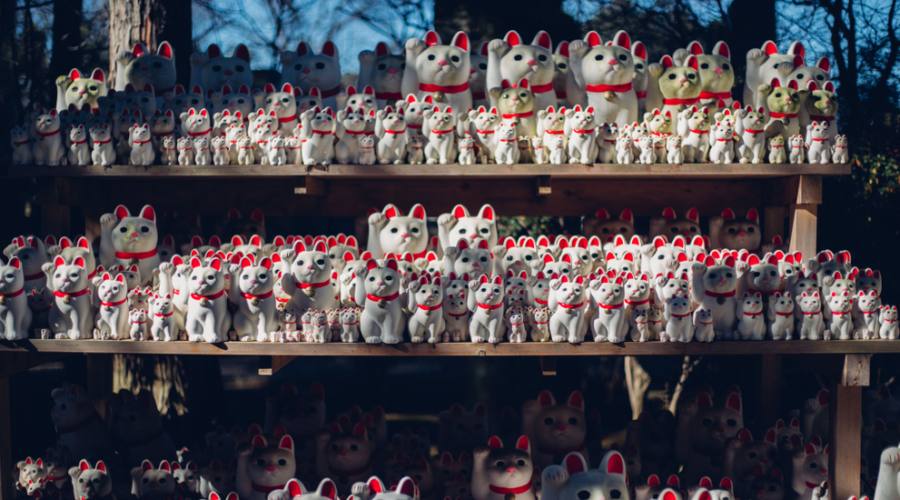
(440, 128)
(70, 314)
(818, 142)
(366, 148)
(569, 480)
(207, 318)
(283, 103)
(345, 453)
(751, 128)
(693, 127)
(140, 141)
(79, 153)
(91, 482)
(149, 482)
(139, 67)
(308, 70)
(415, 150)
(185, 146)
(220, 155)
(703, 325)
(246, 152)
(647, 150)
(378, 290)
(606, 72)
(254, 318)
(126, 239)
(15, 315)
(318, 130)
(865, 315)
(202, 154)
(554, 427)
(390, 128)
(276, 152)
(506, 147)
(751, 324)
(456, 310)
(262, 468)
(722, 149)
(163, 322)
(780, 315)
(350, 324)
(21, 146)
(567, 300)
(510, 59)
(840, 306)
(351, 125)
(485, 302)
(213, 69)
(887, 320)
(168, 150)
(777, 154)
(426, 296)
(180, 100)
(840, 151)
(48, 148)
(551, 131)
(392, 233)
(112, 314)
(75, 89)
(819, 102)
(674, 150)
(608, 295)
(439, 71)
(459, 224)
(581, 130)
(811, 324)
(714, 287)
(677, 313)
(498, 472)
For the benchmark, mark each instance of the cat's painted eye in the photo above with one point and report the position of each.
(598, 57)
(691, 76)
(623, 57)
(726, 67)
(239, 68)
(482, 66)
(320, 65)
(371, 278)
(298, 67)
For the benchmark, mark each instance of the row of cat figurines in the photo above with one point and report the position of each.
(616, 76)
(431, 134)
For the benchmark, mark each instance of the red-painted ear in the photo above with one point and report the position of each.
(101, 465)
(546, 399)
(432, 39)
(615, 464)
(165, 465)
(258, 441)
(391, 264)
(575, 463)
(523, 443)
(693, 63)
(593, 39)
(294, 488)
(769, 47)
(146, 465)
(669, 495)
(576, 400)
(286, 443)
(512, 38)
(666, 61)
(418, 211)
(494, 442)
(329, 49)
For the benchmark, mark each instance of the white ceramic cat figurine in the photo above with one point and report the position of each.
(456, 310)
(185, 146)
(624, 150)
(163, 324)
(15, 315)
(569, 480)
(70, 315)
(383, 71)
(751, 128)
(722, 149)
(840, 324)
(811, 324)
(393, 233)
(366, 148)
(551, 130)
(674, 151)
(310, 279)
(309, 70)
(351, 123)
(840, 152)
(818, 142)
(439, 127)
(112, 307)
(797, 149)
(263, 467)
(138, 329)
(608, 295)
(766, 63)
(139, 139)
(703, 325)
(647, 150)
(483, 123)
(606, 72)
(714, 286)
(246, 152)
(220, 154)
(207, 319)
(458, 224)
(780, 315)
(254, 318)
(319, 127)
(378, 290)
(581, 131)
(485, 302)
(693, 127)
(426, 297)
(865, 315)
(679, 319)
(276, 152)
(568, 321)
(510, 59)
(490, 481)
(48, 148)
(439, 71)
(283, 103)
(887, 320)
(127, 239)
(21, 146)
(391, 130)
(506, 145)
(751, 324)
(79, 153)
(777, 153)
(638, 297)
(168, 150)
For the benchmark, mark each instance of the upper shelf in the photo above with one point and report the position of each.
(723, 348)
(456, 171)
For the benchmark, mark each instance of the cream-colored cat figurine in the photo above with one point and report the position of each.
(485, 301)
(510, 59)
(581, 130)
(112, 314)
(840, 152)
(439, 71)
(777, 154)
(252, 287)
(70, 315)
(140, 141)
(15, 315)
(567, 300)
(75, 89)
(391, 130)
(606, 72)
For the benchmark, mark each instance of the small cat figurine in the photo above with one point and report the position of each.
(865, 315)
(456, 310)
(426, 296)
(751, 128)
(70, 314)
(366, 149)
(606, 72)
(439, 71)
(693, 127)
(567, 301)
(196, 123)
(554, 427)
(608, 294)
(168, 150)
(79, 153)
(440, 129)
(220, 155)
(780, 315)
(810, 469)
(777, 154)
(148, 482)
(351, 124)
(703, 325)
(498, 472)
(638, 296)
(378, 290)
(283, 103)
(48, 148)
(840, 324)
(714, 286)
(887, 320)
(811, 324)
(751, 323)
(91, 482)
(647, 150)
(276, 152)
(140, 141)
(783, 104)
(483, 123)
(818, 142)
(139, 67)
(677, 311)
(840, 151)
(391, 130)
(207, 318)
(319, 127)
(506, 146)
(485, 302)
(722, 150)
(126, 239)
(262, 468)
(21, 146)
(15, 315)
(163, 323)
(581, 130)
(573, 477)
(75, 89)
(112, 315)
(730, 231)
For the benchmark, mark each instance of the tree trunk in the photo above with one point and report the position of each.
(130, 22)
(176, 28)
(494, 18)
(9, 88)
(752, 22)
(68, 16)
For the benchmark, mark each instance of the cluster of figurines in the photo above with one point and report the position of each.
(544, 448)
(588, 101)
(464, 285)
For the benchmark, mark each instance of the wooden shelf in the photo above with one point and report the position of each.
(335, 172)
(723, 348)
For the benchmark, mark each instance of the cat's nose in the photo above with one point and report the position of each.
(443, 62)
(393, 71)
(718, 71)
(613, 62)
(510, 470)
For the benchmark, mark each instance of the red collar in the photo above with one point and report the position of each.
(287, 119)
(610, 306)
(113, 304)
(819, 139)
(706, 94)
(266, 489)
(384, 298)
(810, 313)
(305, 285)
(197, 296)
(84, 141)
(752, 314)
(21, 143)
(641, 94)
(355, 132)
(430, 308)
(484, 132)
(776, 114)
(680, 315)
(395, 132)
(502, 490)
(10, 295)
(282, 300)
(555, 132)
(786, 315)
(540, 301)
(388, 95)
(526, 114)
(637, 302)
(249, 296)
(840, 313)
(571, 306)
(540, 89)
(447, 89)
(331, 92)
(79, 293)
(676, 101)
(720, 294)
(414, 126)
(441, 132)
(583, 131)
(141, 142)
(164, 315)
(202, 132)
(507, 140)
(753, 131)
(136, 255)
(489, 307)
(699, 132)
(47, 134)
(821, 118)
(622, 87)
(727, 139)
(322, 132)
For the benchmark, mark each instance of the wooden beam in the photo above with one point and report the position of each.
(7, 467)
(845, 455)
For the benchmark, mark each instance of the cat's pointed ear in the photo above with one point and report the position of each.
(258, 441)
(666, 61)
(494, 110)
(148, 213)
(74, 74)
(213, 51)
(375, 485)
(432, 39)
(593, 39)
(793, 85)
(330, 49)
(512, 38)
(286, 443)
(302, 48)
(120, 278)
(216, 264)
(486, 212)
(407, 486)
(523, 444)
(82, 242)
(121, 211)
(494, 442)
(622, 40)
(138, 50)
(320, 247)
(459, 211)
(381, 49)
(575, 463)
(775, 83)
(639, 50)
(721, 49)
(268, 88)
(241, 52)
(542, 39)
(368, 90)
(391, 264)
(146, 465)
(545, 399)
(351, 89)
(613, 463)
(523, 83)
(417, 211)
(165, 50)
(327, 489)
(460, 40)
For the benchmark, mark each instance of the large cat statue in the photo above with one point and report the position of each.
(140, 67)
(307, 70)
(213, 70)
(127, 239)
(78, 427)
(555, 428)
(91, 482)
(263, 467)
(499, 473)
(766, 63)
(137, 427)
(606, 73)
(70, 315)
(512, 60)
(344, 453)
(574, 479)
(888, 485)
(15, 315)
(383, 71)
(459, 224)
(438, 70)
(76, 89)
(393, 233)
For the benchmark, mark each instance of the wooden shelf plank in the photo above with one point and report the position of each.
(335, 172)
(724, 348)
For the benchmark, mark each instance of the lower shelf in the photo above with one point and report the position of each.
(723, 348)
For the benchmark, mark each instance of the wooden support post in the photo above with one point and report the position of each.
(7, 476)
(804, 214)
(770, 386)
(846, 427)
(269, 366)
(548, 367)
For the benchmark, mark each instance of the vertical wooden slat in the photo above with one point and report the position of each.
(773, 223)
(770, 383)
(803, 229)
(846, 441)
(6, 464)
